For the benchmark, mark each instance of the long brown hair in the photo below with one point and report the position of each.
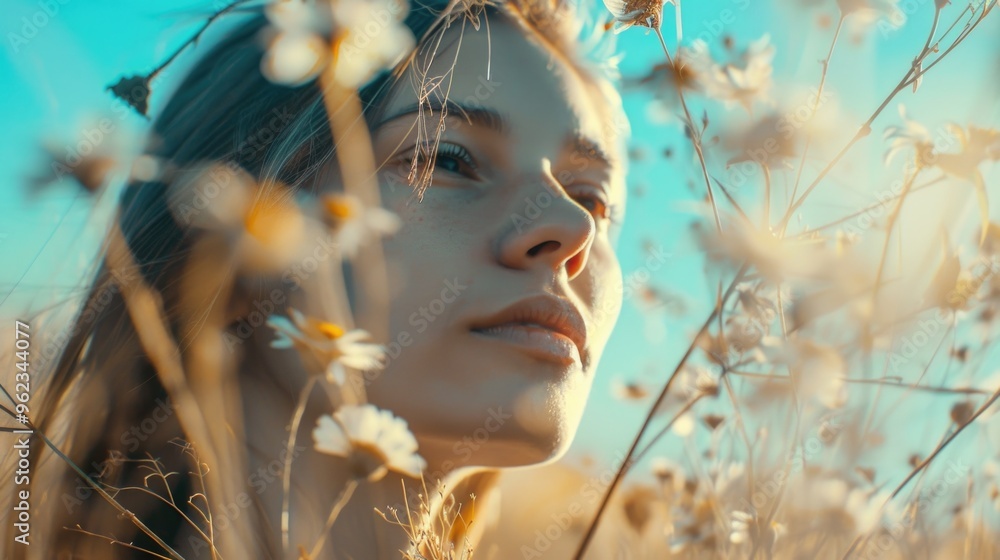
(102, 391)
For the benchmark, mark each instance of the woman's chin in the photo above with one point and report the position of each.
(448, 453)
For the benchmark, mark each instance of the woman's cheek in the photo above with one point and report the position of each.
(606, 288)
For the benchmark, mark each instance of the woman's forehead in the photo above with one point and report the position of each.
(499, 75)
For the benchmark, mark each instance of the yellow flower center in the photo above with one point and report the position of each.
(338, 207)
(330, 330)
(272, 219)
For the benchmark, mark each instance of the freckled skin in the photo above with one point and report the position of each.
(448, 380)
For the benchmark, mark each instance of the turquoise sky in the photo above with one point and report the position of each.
(54, 84)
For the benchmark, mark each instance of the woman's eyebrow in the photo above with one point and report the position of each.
(484, 117)
(590, 148)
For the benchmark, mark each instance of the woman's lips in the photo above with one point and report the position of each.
(536, 340)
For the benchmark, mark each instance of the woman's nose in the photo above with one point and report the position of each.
(547, 229)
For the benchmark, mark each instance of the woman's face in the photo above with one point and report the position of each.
(505, 284)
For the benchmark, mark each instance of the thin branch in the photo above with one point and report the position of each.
(923, 464)
(114, 541)
(865, 129)
(114, 503)
(695, 135)
(819, 92)
(627, 461)
(345, 496)
(194, 38)
(286, 475)
(871, 207)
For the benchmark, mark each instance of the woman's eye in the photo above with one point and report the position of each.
(450, 158)
(595, 204)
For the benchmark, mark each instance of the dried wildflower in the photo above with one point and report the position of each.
(89, 171)
(644, 13)
(372, 440)
(977, 145)
(329, 346)
(697, 381)
(766, 142)
(653, 299)
(817, 370)
(629, 391)
(637, 503)
(944, 290)
(134, 90)
(912, 135)
(355, 223)
(777, 260)
(744, 333)
(864, 507)
(713, 421)
(962, 412)
(862, 13)
(987, 315)
(744, 81)
(761, 309)
(715, 346)
(867, 474)
(668, 473)
(833, 503)
(960, 354)
(665, 80)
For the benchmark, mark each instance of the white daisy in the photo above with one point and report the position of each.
(360, 37)
(370, 37)
(327, 344)
(298, 49)
(354, 222)
(372, 440)
(260, 221)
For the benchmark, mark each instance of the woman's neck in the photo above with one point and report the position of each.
(319, 481)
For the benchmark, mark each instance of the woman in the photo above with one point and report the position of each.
(498, 148)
